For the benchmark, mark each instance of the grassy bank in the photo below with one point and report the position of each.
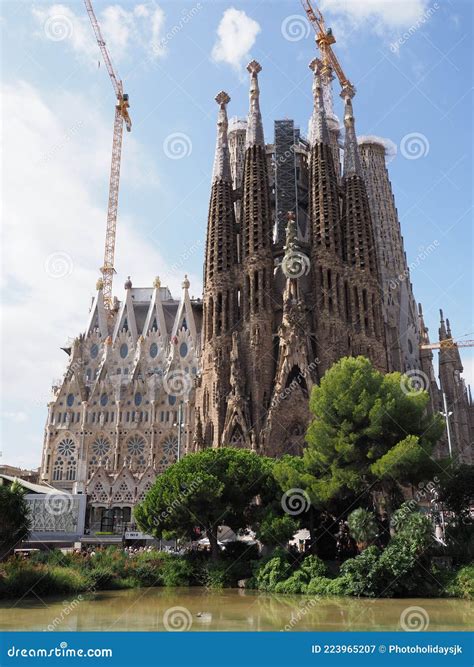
(54, 573)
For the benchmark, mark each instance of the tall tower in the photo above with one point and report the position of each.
(327, 270)
(256, 264)
(221, 306)
(398, 302)
(457, 399)
(363, 302)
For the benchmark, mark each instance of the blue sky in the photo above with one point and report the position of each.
(411, 64)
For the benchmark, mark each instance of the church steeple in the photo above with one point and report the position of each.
(221, 171)
(221, 247)
(359, 239)
(318, 128)
(352, 164)
(323, 189)
(254, 136)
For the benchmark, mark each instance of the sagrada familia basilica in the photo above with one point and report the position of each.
(304, 264)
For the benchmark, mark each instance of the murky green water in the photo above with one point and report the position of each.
(153, 609)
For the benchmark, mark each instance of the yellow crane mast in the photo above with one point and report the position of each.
(447, 343)
(121, 117)
(325, 39)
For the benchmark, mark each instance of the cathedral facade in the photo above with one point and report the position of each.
(304, 264)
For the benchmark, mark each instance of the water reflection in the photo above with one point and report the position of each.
(143, 610)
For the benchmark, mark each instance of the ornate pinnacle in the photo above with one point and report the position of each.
(128, 283)
(254, 125)
(221, 171)
(351, 150)
(318, 129)
(222, 98)
(157, 283)
(99, 284)
(186, 283)
(254, 67)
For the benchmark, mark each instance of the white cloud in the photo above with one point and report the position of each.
(236, 34)
(382, 16)
(122, 29)
(57, 147)
(16, 417)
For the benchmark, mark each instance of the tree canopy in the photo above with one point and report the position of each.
(368, 428)
(208, 489)
(14, 518)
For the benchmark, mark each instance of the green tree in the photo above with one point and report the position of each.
(362, 527)
(369, 430)
(457, 489)
(215, 487)
(14, 518)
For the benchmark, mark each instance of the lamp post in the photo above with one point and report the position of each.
(447, 414)
(179, 424)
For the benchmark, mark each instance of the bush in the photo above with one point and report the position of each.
(326, 587)
(360, 576)
(462, 583)
(270, 571)
(214, 575)
(177, 572)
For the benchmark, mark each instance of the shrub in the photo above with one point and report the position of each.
(177, 572)
(360, 575)
(462, 583)
(214, 575)
(327, 587)
(270, 571)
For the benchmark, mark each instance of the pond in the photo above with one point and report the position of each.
(195, 609)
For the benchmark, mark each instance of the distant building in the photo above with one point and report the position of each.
(21, 473)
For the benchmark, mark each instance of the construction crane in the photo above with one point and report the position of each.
(324, 40)
(121, 117)
(449, 343)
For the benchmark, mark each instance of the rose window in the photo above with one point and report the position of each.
(66, 447)
(100, 446)
(136, 445)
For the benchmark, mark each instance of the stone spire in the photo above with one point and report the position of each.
(221, 170)
(323, 212)
(352, 163)
(254, 135)
(221, 248)
(443, 334)
(358, 233)
(318, 128)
